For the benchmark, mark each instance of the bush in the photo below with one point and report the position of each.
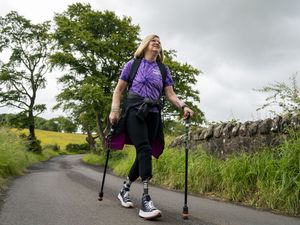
(34, 146)
(31, 145)
(78, 148)
(54, 147)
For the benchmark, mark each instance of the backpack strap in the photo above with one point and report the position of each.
(163, 70)
(133, 70)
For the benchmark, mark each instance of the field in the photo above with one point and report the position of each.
(51, 138)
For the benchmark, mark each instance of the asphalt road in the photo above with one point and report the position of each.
(64, 191)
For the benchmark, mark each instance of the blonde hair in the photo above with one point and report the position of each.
(140, 52)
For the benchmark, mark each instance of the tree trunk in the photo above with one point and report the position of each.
(31, 125)
(100, 131)
(91, 141)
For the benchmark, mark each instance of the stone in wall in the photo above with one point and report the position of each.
(223, 139)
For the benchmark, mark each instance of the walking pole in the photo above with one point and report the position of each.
(100, 198)
(185, 211)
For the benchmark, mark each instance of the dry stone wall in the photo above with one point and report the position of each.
(226, 138)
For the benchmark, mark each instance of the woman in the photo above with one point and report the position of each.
(143, 128)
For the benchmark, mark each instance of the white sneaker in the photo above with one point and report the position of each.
(124, 197)
(148, 210)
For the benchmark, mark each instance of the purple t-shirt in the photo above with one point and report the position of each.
(148, 80)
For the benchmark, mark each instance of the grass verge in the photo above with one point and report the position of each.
(14, 157)
(268, 179)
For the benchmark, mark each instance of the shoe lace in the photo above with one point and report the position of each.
(126, 195)
(149, 204)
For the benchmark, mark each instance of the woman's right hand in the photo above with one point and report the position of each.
(114, 117)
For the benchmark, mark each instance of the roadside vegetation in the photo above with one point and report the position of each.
(14, 154)
(268, 179)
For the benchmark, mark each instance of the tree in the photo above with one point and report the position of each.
(40, 123)
(283, 95)
(52, 125)
(86, 119)
(92, 46)
(66, 124)
(13, 120)
(24, 72)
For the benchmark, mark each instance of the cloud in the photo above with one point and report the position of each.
(238, 44)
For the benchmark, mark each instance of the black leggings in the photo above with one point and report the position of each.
(141, 134)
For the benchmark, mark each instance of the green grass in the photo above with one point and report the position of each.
(14, 157)
(269, 178)
(116, 160)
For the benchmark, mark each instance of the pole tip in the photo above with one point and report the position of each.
(185, 213)
(100, 198)
(185, 216)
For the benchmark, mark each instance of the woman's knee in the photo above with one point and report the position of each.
(144, 152)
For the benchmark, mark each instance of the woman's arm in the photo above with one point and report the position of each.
(174, 100)
(115, 105)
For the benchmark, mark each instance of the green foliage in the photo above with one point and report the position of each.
(120, 161)
(51, 125)
(283, 95)
(204, 173)
(12, 154)
(93, 159)
(55, 147)
(34, 145)
(279, 187)
(14, 120)
(173, 127)
(23, 74)
(238, 179)
(92, 46)
(40, 122)
(66, 124)
(58, 124)
(14, 157)
(78, 148)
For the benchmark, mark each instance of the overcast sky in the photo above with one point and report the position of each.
(239, 45)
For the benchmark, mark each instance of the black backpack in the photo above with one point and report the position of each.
(135, 66)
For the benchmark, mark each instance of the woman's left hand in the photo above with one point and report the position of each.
(187, 112)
